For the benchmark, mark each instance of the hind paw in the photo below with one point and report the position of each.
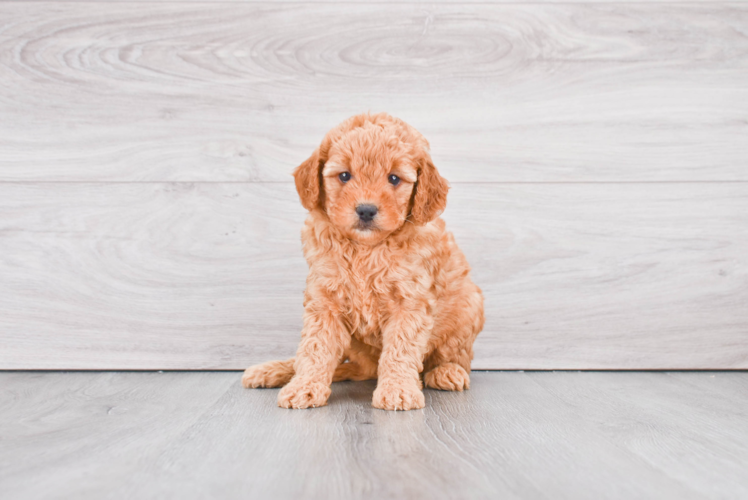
(270, 374)
(448, 377)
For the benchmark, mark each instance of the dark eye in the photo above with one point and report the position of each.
(394, 180)
(344, 176)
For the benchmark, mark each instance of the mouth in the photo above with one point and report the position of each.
(365, 226)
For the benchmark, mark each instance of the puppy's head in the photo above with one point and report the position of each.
(371, 175)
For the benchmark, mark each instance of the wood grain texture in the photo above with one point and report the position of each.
(628, 413)
(244, 91)
(512, 435)
(345, 2)
(147, 218)
(196, 276)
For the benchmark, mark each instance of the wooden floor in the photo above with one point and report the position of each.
(533, 435)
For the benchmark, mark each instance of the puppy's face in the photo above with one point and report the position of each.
(371, 175)
(368, 183)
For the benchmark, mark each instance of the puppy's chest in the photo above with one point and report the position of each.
(367, 295)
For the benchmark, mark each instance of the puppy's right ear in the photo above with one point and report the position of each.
(308, 177)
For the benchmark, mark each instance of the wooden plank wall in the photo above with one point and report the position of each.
(597, 151)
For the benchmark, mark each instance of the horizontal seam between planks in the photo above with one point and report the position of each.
(391, 2)
(452, 183)
(476, 370)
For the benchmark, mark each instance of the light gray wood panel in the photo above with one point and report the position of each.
(701, 409)
(512, 435)
(245, 91)
(195, 276)
(129, 419)
(155, 275)
(630, 274)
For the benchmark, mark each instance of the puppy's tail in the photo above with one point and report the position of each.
(270, 374)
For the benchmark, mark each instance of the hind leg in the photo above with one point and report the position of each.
(448, 366)
(362, 363)
(270, 374)
(448, 377)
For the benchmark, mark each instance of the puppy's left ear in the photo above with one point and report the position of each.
(430, 198)
(309, 182)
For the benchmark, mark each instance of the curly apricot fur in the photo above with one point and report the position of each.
(391, 299)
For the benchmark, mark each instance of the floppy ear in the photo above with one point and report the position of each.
(430, 198)
(308, 177)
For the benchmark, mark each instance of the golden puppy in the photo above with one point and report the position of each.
(389, 294)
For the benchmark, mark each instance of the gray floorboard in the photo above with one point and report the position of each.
(513, 435)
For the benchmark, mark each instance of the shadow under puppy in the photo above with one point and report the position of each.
(389, 295)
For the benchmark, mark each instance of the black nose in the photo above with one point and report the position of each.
(366, 212)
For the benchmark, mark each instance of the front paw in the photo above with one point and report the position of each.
(303, 394)
(391, 396)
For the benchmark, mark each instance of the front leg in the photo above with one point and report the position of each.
(404, 340)
(324, 339)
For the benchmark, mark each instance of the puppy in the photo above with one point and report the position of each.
(389, 294)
